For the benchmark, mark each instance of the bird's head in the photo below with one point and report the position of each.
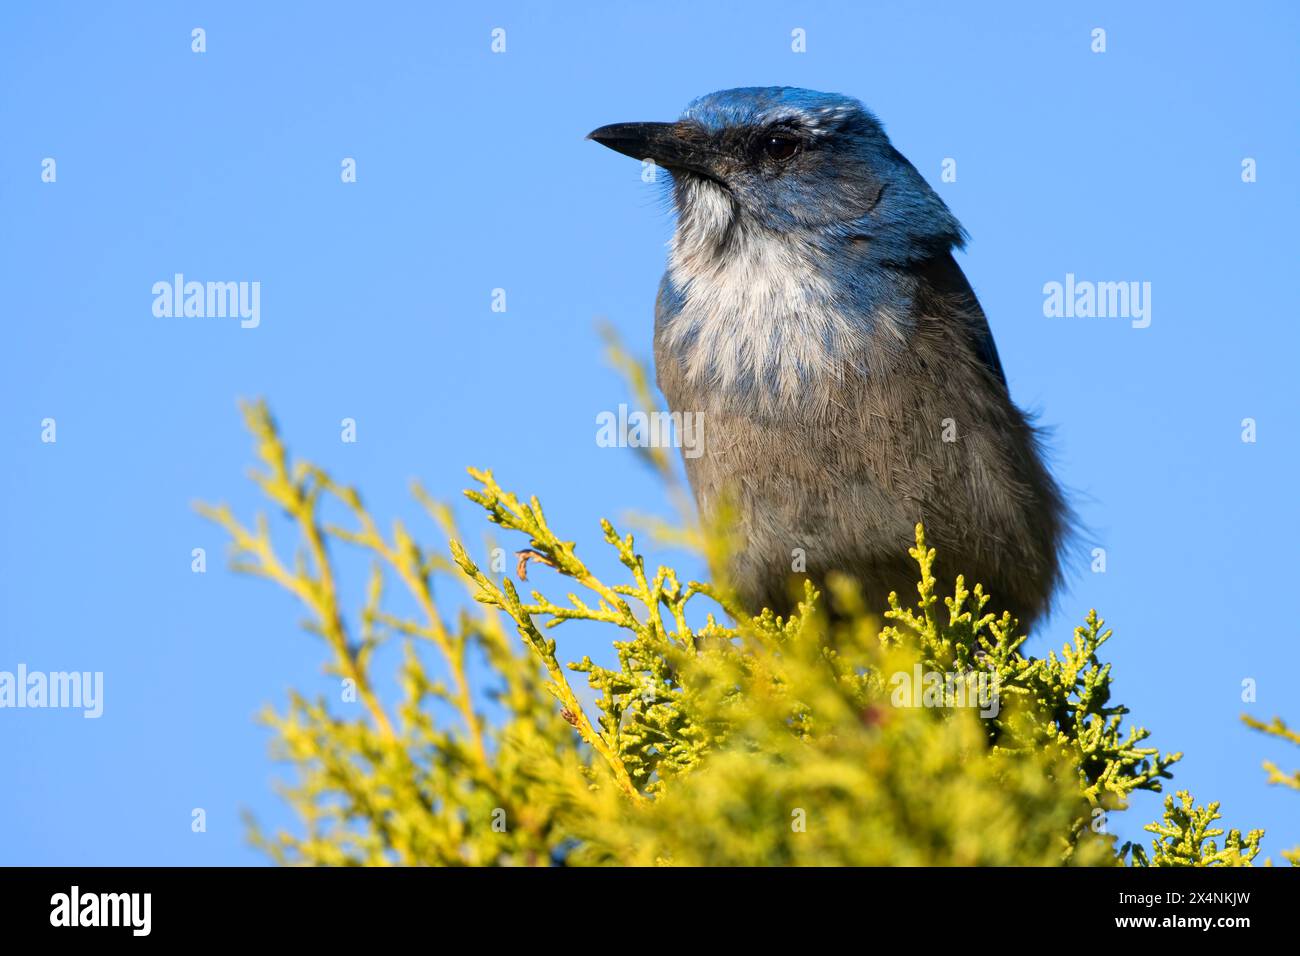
(791, 160)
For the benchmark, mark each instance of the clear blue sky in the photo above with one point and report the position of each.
(473, 174)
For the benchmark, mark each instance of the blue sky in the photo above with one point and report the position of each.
(473, 175)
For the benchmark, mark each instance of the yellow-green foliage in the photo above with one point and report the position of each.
(718, 738)
(1278, 728)
(1187, 835)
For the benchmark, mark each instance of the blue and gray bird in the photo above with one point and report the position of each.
(812, 313)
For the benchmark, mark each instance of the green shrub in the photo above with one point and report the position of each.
(929, 738)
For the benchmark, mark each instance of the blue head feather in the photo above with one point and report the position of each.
(845, 179)
(801, 236)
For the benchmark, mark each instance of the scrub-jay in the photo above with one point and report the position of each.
(847, 380)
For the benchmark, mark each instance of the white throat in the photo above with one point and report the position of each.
(759, 319)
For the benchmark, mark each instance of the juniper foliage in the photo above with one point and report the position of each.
(1279, 729)
(718, 737)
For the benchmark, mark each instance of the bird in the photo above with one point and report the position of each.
(814, 318)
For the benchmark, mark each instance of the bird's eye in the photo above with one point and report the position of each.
(780, 147)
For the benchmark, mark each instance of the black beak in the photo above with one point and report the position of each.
(675, 146)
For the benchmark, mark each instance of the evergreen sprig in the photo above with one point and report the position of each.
(714, 737)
